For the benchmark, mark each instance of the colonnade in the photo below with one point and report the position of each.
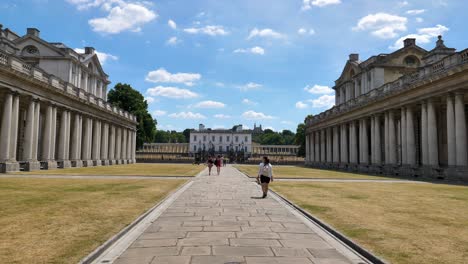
(275, 150)
(426, 138)
(37, 134)
(176, 148)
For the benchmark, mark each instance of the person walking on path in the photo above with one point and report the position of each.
(265, 175)
(218, 164)
(209, 163)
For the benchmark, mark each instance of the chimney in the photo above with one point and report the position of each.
(353, 57)
(32, 31)
(201, 127)
(89, 50)
(409, 42)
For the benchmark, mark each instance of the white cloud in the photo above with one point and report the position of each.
(103, 57)
(324, 101)
(255, 50)
(402, 3)
(382, 25)
(222, 116)
(265, 33)
(187, 115)
(424, 36)
(287, 122)
(172, 24)
(171, 92)
(210, 104)
(304, 31)
(248, 102)
(318, 89)
(301, 105)
(150, 99)
(163, 76)
(219, 84)
(307, 4)
(419, 19)
(415, 11)
(250, 86)
(172, 41)
(252, 115)
(211, 30)
(121, 15)
(159, 113)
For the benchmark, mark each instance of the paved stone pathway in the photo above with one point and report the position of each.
(219, 219)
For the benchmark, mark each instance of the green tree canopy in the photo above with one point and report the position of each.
(132, 101)
(300, 139)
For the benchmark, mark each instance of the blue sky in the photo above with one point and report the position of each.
(221, 62)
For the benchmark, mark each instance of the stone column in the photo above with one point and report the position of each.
(312, 147)
(7, 138)
(317, 146)
(48, 139)
(322, 146)
(372, 135)
(432, 139)
(76, 142)
(105, 144)
(451, 142)
(87, 142)
(112, 145)
(35, 145)
(31, 163)
(353, 147)
(129, 145)
(124, 145)
(365, 143)
(404, 144)
(96, 143)
(386, 139)
(344, 144)
(410, 137)
(391, 138)
(329, 145)
(377, 141)
(336, 145)
(14, 128)
(307, 149)
(63, 146)
(118, 149)
(424, 134)
(460, 130)
(53, 140)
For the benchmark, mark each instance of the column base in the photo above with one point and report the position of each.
(105, 162)
(77, 163)
(97, 163)
(9, 166)
(112, 162)
(32, 166)
(88, 163)
(118, 162)
(64, 164)
(49, 165)
(124, 161)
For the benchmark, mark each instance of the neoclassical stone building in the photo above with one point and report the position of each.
(402, 113)
(54, 110)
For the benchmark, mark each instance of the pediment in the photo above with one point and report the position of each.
(350, 69)
(94, 60)
(44, 48)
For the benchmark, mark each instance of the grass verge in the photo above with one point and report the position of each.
(138, 169)
(63, 220)
(306, 173)
(402, 222)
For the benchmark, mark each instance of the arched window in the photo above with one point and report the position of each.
(30, 51)
(411, 61)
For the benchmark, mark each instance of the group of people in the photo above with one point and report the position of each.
(264, 176)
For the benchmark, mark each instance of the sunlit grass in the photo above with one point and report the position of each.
(402, 222)
(63, 220)
(138, 169)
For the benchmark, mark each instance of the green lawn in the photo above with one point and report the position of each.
(304, 172)
(138, 169)
(402, 222)
(63, 220)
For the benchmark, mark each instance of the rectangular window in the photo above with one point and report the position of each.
(220, 148)
(213, 138)
(204, 138)
(194, 138)
(220, 138)
(237, 139)
(246, 138)
(194, 148)
(228, 138)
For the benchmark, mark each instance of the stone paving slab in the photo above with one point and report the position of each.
(220, 219)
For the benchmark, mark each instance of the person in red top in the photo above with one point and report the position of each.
(218, 164)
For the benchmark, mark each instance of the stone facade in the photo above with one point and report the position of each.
(402, 113)
(54, 112)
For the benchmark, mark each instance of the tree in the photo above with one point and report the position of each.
(300, 139)
(186, 134)
(132, 101)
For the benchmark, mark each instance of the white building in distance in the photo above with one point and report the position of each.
(221, 141)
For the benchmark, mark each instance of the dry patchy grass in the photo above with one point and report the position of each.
(304, 172)
(62, 220)
(403, 222)
(138, 169)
